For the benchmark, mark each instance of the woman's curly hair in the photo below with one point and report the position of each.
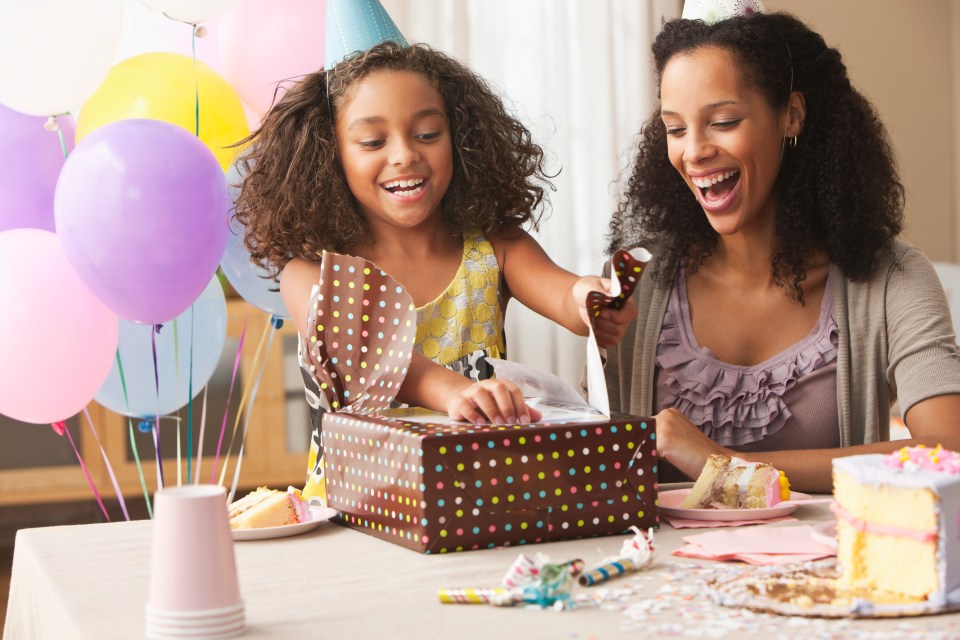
(294, 200)
(838, 191)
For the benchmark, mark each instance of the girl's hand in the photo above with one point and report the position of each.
(496, 401)
(611, 325)
(682, 444)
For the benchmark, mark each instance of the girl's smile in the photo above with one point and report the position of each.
(395, 148)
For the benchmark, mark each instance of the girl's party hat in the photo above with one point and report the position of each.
(711, 11)
(354, 26)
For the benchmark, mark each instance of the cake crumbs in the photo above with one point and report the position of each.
(680, 608)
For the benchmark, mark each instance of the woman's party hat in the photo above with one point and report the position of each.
(711, 11)
(354, 26)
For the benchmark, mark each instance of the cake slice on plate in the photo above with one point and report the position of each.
(268, 508)
(731, 483)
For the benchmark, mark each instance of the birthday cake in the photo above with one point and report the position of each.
(732, 483)
(268, 508)
(897, 529)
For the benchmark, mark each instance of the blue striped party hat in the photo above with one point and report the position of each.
(354, 26)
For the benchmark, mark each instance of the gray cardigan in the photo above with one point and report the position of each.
(896, 341)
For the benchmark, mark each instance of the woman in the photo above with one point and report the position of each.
(781, 317)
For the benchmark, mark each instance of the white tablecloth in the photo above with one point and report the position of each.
(90, 581)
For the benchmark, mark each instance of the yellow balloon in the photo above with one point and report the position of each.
(164, 86)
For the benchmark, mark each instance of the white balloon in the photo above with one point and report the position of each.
(55, 53)
(191, 11)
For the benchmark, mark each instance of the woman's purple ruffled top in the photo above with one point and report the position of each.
(734, 405)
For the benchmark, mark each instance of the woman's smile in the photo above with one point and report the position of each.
(723, 138)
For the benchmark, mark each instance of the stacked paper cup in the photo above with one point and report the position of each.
(194, 592)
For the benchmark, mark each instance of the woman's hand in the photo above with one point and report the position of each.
(611, 325)
(496, 401)
(682, 444)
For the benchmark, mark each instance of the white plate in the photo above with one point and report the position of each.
(825, 533)
(670, 502)
(318, 515)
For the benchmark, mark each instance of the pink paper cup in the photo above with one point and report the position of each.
(192, 568)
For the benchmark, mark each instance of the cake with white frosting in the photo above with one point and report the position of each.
(898, 533)
(731, 483)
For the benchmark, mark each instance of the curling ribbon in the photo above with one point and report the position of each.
(196, 81)
(189, 403)
(226, 409)
(156, 382)
(176, 385)
(246, 416)
(203, 424)
(133, 441)
(267, 329)
(113, 478)
(61, 429)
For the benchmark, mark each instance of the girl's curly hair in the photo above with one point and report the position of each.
(838, 191)
(294, 200)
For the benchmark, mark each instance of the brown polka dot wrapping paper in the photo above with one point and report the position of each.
(363, 326)
(437, 487)
(625, 269)
(434, 485)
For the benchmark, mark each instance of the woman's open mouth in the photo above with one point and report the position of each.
(717, 191)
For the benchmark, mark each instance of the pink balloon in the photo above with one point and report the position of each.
(57, 340)
(266, 42)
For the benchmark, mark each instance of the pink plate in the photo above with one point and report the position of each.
(318, 515)
(825, 533)
(670, 502)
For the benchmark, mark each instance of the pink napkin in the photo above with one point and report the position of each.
(756, 545)
(687, 523)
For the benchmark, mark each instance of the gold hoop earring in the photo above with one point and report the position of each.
(792, 142)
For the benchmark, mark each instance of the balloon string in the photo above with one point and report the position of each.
(113, 478)
(63, 144)
(246, 417)
(196, 82)
(226, 409)
(190, 403)
(133, 441)
(176, 385)
(243, 400)
(52, 125)
(156, 418)
(62, 429)
(203, 422)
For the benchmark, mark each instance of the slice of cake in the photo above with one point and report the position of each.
(268, 508)
(897, 528)
(732, 483)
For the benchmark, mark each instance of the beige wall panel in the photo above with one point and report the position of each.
(899, 54)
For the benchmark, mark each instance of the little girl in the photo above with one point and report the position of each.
(404, 157)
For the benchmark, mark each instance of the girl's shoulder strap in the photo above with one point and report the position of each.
(475, 244)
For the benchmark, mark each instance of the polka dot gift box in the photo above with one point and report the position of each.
(436, 487)
(420, 480)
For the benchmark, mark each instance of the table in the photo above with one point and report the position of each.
(90, 581)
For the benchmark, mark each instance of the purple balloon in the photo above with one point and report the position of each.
(141, 209)
(30, 161)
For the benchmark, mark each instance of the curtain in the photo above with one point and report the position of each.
(579, 75)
